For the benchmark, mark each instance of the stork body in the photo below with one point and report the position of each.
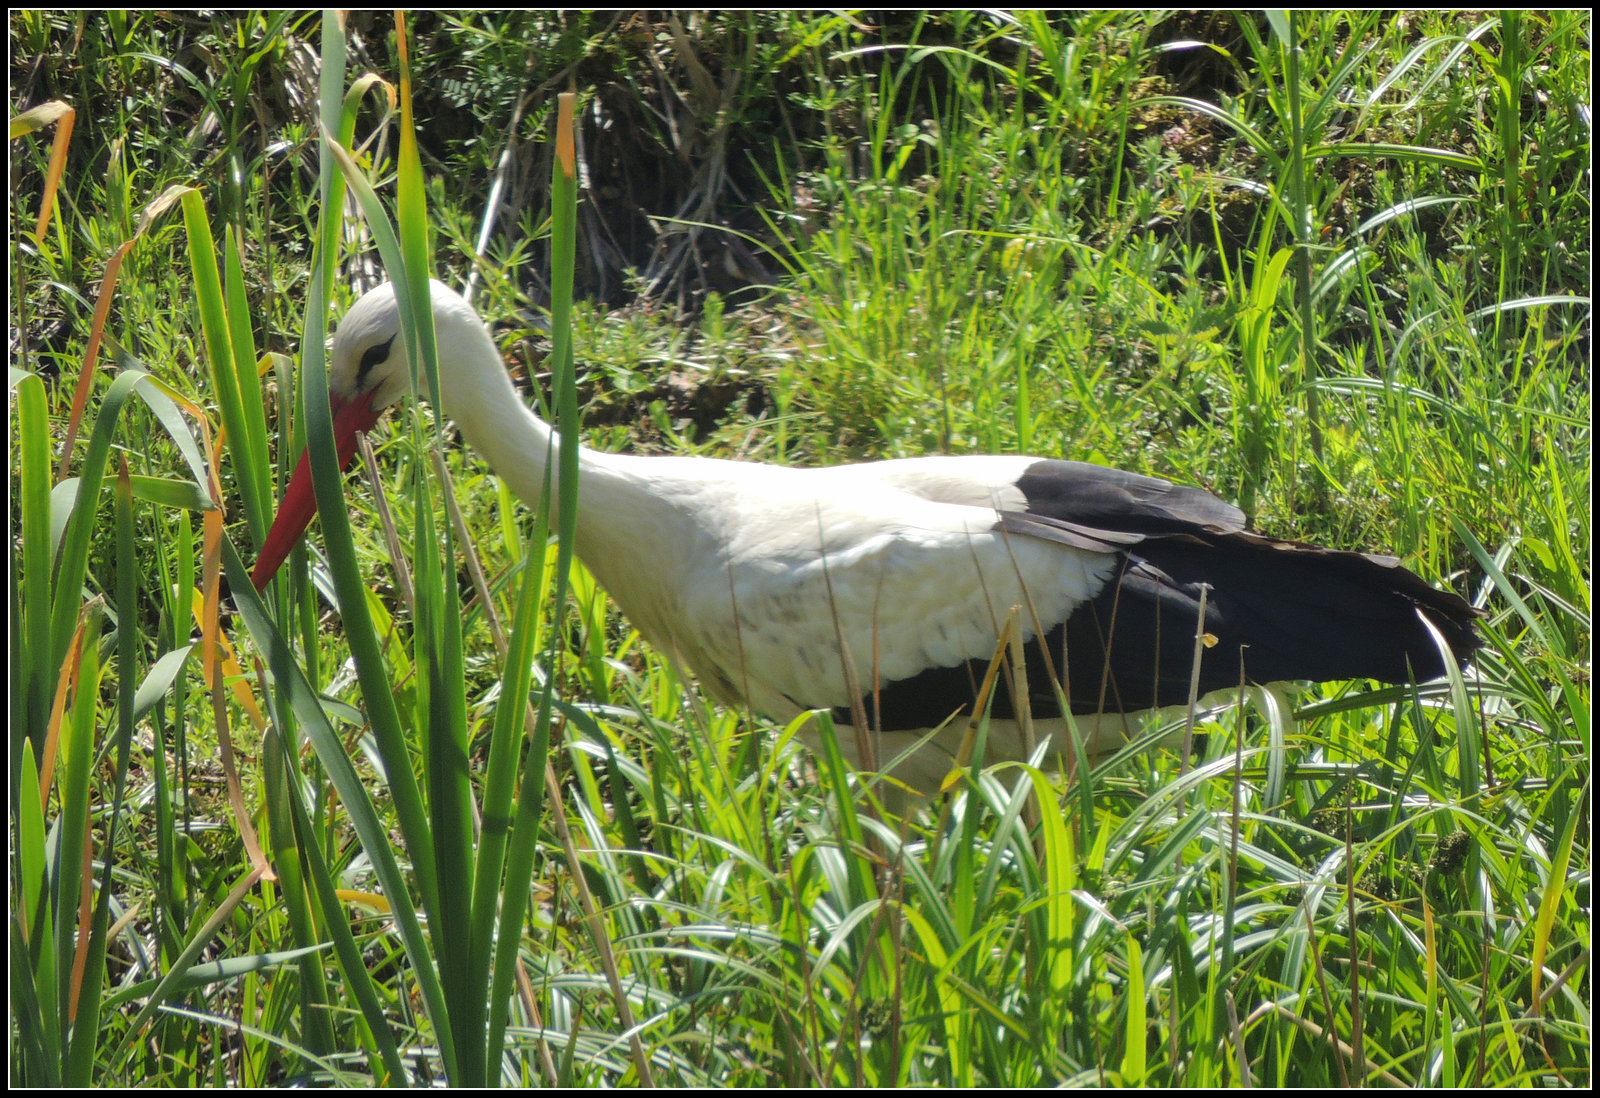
(880, 589)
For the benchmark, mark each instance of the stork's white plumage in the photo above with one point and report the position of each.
(751, 575)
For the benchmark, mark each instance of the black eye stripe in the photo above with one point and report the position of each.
(374, 355)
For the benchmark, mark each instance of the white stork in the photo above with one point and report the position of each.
(752, 575)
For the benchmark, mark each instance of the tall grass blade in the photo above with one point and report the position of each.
(32, 670)
(73, 557)
(252, 464)
(224, 368)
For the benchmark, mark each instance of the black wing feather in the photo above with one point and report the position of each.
(1275, 610)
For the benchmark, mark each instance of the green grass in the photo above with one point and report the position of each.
(1344, 284)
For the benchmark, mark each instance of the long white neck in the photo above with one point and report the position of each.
(479, 396)
(514, 441)
(643, 523)
(628, 507)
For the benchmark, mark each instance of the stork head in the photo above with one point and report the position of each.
(369, 370)
(369, 359)
(369, 349)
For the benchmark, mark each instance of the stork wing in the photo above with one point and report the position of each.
(834, 597)
(896, 591)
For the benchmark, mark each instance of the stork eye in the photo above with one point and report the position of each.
(373, 355)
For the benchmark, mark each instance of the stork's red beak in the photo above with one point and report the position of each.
(299, 502)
